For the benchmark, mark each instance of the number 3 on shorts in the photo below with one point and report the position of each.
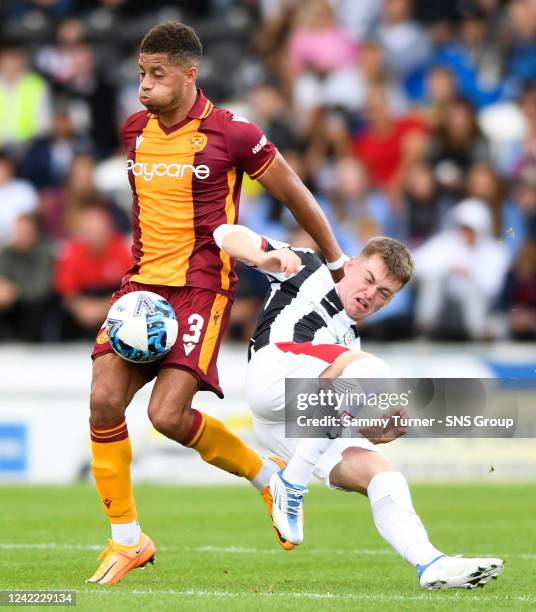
(196, 322)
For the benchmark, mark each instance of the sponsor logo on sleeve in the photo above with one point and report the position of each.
(259, 145)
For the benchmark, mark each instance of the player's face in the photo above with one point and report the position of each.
(163, 84)
(366, 286)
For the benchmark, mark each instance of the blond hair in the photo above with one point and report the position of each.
(395, 256)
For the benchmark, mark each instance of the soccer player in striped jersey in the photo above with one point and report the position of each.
(307, 329)
(186, 159)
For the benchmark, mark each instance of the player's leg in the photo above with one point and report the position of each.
(113, 386)
(265, 394)
(191, 365)
(289, 485)
(369, 473)
(350, 364)
(171, 413)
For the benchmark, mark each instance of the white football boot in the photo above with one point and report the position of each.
(287, 510)
(459, 572)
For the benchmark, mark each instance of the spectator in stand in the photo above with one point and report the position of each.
(387, 146)
(271, 114)
(48, 160)
(330, 142)
(524, 195)
(60, 206)
(24, 100)
(317, 49)
(89, 267)
(405, 41)
(520, 294)
(521, 67)
(423, 205)
(440, 93)
(354, 207)
(16, 9)
(457, 145)
(17, 197)
(26, 267)
(508, 222)
(347, 88)
(460, 273)
(57, 60)
(475, 61)
(71, 66)
(523, 154)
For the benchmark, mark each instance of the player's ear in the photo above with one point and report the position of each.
(393, 294)
(350, 263)
(191, 73)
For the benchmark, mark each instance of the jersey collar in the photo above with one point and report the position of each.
(202, 107)
(200, 110)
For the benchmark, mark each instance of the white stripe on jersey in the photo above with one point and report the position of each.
(304, 308)
(304, 303)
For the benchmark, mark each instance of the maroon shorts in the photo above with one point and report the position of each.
(202, 316)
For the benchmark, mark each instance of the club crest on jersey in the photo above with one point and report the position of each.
(197, 142)
(349, 337)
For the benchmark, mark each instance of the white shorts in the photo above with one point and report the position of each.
(265, 393)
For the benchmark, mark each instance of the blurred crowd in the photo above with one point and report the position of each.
(412, 119)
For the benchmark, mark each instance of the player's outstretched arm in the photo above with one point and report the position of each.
(244, 244)
(285, 185)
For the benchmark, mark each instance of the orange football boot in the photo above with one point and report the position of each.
(267, 499)
(118, 559)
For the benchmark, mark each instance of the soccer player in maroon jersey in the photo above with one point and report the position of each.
(186, 159)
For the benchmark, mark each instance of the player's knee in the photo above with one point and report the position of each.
(358, 467)
(366, 366)
(107, 404)
(173, 420)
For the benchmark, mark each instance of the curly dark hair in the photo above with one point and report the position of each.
(177, 40)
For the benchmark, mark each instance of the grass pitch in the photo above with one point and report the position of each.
(217, 550)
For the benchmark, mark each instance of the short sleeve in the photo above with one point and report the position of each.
(132, 128)
(249, 149)
(269, 244)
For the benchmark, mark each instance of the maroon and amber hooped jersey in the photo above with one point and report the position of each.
(186, 181)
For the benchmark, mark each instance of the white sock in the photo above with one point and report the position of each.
(300, 468)
(308, 452)
(265, 473)
(126, 533)
(396, 519)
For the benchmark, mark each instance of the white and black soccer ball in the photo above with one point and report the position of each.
(141, 326)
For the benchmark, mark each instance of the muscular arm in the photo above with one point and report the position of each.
(285, 185)
(244, 244)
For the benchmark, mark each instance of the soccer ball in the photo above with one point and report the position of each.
(141, 326)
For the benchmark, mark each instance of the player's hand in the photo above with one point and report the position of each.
(383, 435)
(281, 260)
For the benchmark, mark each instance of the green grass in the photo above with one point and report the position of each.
(217, 551)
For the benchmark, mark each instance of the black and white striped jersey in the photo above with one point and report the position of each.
(303, 308)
